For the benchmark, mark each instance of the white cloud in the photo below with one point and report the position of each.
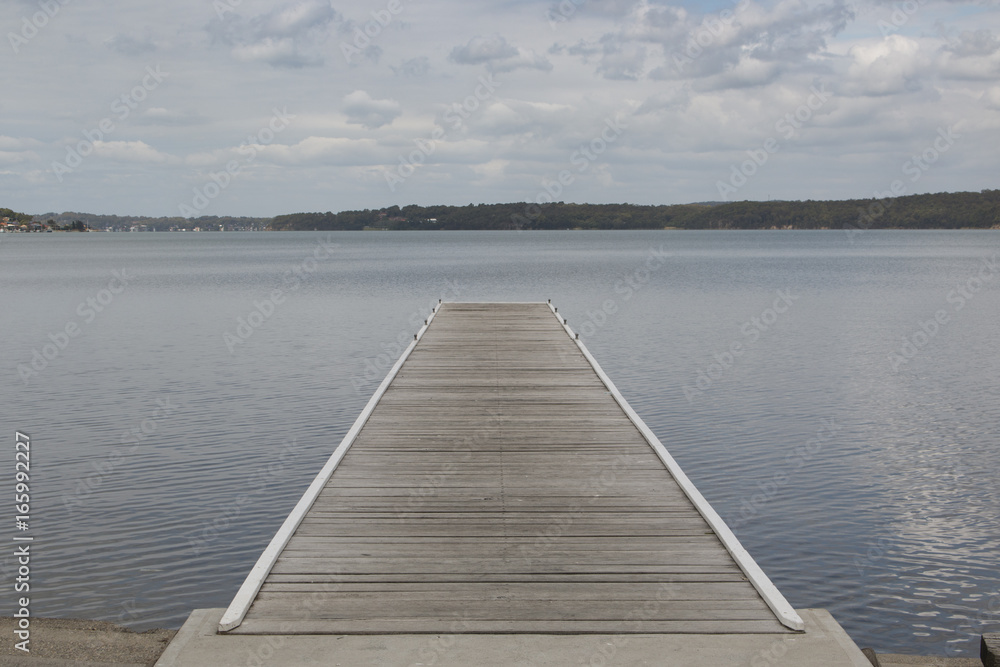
(619, 59)
(498, 55)
(531, 120)
(888, 67)
(168, 117)
(567, 10)
(17, 144)
(482, 50)
(991, 97)
(297, 18)
(525, 59)
(324, 150)
(494, 171)
(130, 46)
(974, 43)
(131, 151)
(973, 55)
(692, 46)
(747, 73)
(362, 109)
(418, 66)
(275, 51)
(668, 101)
(8, 157)
(290, 35)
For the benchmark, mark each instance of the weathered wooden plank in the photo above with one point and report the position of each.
(473, 531)
(458, 543)
(515, 590)
(289, 605)
(455, 624)
(427, 492)
(459, 565)
(701, 595)
(679, 515)
(488, 522)
(677, 573)
(525, 559)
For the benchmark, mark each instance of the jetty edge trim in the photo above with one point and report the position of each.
(784, 611)
(238, 608)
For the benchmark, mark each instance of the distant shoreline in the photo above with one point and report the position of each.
(576, 229)
(942, 211)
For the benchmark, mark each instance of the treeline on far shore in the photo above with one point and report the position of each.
(929, 211)
(956, 210)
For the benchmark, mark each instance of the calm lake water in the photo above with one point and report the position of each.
(850, 439)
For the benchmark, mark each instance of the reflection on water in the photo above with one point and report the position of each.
(165, 459)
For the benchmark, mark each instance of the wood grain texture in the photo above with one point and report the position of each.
(497, 487)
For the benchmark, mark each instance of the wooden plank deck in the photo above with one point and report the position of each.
(498, 487)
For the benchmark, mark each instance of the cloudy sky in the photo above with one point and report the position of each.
(257, 107)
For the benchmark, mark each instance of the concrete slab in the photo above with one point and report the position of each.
(900, 660)
(990, 649)
(823, 644)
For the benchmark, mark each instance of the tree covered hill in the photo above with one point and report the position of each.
(161, 224)
(927, 211)
(955, 210)
(14, 216)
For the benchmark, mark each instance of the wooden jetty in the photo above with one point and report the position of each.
(498, 482)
